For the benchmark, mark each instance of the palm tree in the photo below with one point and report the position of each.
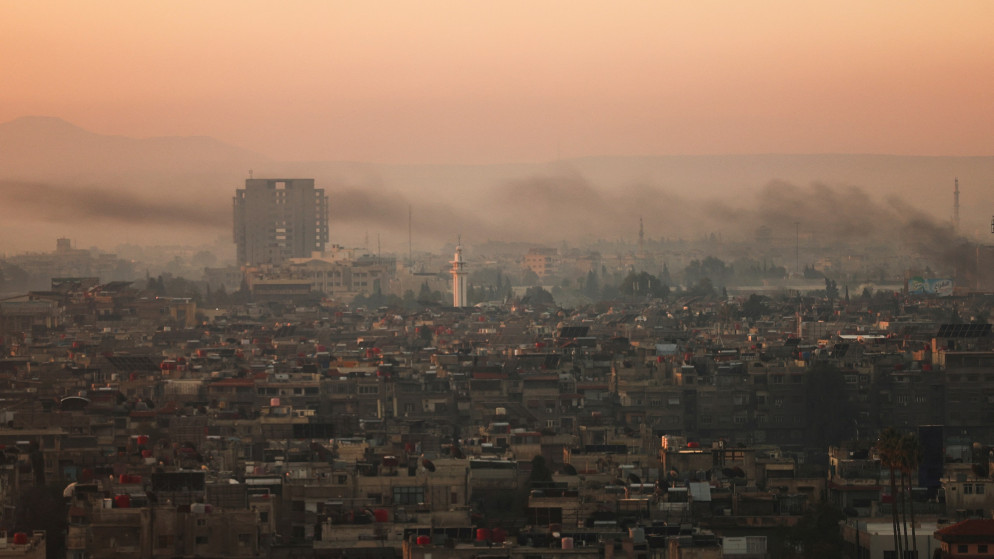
(910, 458)
(888, 446)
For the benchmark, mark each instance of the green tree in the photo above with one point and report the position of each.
(714, 269)
(889, 449)
(410, 302)
(591, 287)
(811, 273)
(538, 296)
(540, 471)
(756, 306)
(817, 534)
(704, 288)
(909, 458)
(643, 284)
(831, 289)
(424, 294)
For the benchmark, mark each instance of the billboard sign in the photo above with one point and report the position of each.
(941, 287)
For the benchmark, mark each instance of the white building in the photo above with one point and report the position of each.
(459, 296)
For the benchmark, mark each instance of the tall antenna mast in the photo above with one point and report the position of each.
(410, 244)
(641, 239)
(956, 206)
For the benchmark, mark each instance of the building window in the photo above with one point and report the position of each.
(244, 539)
(981, 548)
(962, 548)
(967, 489)
(979, 489)
(201, 540)
(408, 495)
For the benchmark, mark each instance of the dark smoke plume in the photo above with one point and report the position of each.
(98, 206)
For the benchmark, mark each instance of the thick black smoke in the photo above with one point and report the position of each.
(98, 206)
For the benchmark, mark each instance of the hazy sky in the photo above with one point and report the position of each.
(470, 82)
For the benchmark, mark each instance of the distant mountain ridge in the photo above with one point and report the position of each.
(547, 202)
(34, 147)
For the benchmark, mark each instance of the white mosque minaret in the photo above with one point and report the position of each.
(459, 279)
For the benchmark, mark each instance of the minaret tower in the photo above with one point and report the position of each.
(459, 279)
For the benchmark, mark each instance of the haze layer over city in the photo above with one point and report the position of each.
(454, 279)
(560, 123)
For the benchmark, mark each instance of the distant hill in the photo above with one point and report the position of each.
(59, 179)
(37, 147)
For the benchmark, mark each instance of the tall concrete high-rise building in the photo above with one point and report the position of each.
(277, 219)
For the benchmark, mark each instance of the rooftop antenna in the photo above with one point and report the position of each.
(956, 205)
(250, 173)
(410, 245)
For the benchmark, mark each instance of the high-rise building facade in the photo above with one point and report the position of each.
(277, 219)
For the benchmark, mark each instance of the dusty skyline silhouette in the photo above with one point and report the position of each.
(486, 116)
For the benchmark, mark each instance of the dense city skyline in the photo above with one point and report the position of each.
(449, 279)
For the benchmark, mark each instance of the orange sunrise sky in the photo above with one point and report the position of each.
(482, 82)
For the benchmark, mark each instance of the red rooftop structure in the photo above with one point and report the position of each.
(973, 538)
